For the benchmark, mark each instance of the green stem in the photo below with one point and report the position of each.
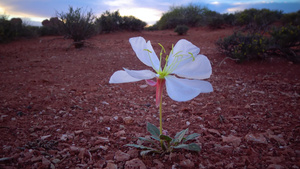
(159, 91)
(160, 120)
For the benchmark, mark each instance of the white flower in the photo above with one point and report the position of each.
(183, 72)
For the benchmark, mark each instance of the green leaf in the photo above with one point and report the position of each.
(139, 146)
(179, 136)
(166, 138)
(153, 130)
(191, 137)
(143, 153)
(192, 147)
(146, 139)
(155, 138)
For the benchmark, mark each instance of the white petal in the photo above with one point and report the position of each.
(185, 89)
(122, 77)
(200, 68)
(139, 45)
(141, 74)
(183, 47)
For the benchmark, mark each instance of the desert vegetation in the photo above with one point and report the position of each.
(59, 109)
(258, 33)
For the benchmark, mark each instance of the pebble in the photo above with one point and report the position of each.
(187, 164)
(45, 137)
(158, 163)
(275, 166)
(121, 156)
(232, 139)
(135, 163)
(258, 138)
(111, 166)
(120, 133)
(128, 120)
(213, 131)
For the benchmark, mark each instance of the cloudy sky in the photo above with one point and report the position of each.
(149, 11)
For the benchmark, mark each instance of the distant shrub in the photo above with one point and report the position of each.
(181, 29)
(190, 15)
(215, 20)
(132, 24)
(113, 21)
(229, 19)
(257, 20)
(242, 47)
(285, 39)
(77, 25)
(291, 18)
(109, 21)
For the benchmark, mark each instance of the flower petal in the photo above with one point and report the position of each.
(122, 77)
(200, 68)
(183, 47)
(139, 45)
(141, 74)
(185, 89)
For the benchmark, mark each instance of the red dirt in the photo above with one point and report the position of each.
(59, 111)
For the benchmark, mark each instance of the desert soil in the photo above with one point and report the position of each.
(57, 109)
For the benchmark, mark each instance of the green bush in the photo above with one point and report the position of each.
(131, 23)
(109, 21)
(181, 29)
(291, 18)
(257, 20)
(285, 39)
(229, 19)
(190, 15)
(77, 25)
(242, 47)
(113, 21)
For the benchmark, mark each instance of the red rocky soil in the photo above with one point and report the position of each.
(59, 111)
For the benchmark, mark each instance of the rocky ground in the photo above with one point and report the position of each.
(57, 109)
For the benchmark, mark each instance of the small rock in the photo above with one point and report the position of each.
(257, 138)
(36, 159)
(213, 131)
(120, 133)
(111, 166)
(121, 156)
(232, 139)
(81, 154)
(229, 166)
(64, 137)
(45, 162)
(187, 123)
(78, 132)
(187, 164)
(128, 120)
(275, 166)
(45, 137)
(101, 140)
(143, 86)
(135, 163)
(158, 163)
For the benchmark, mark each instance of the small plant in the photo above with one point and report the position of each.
(285, 40)
(77, 25)
(165, 144)
(242, 47)
(181, 29)
(182, 74)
